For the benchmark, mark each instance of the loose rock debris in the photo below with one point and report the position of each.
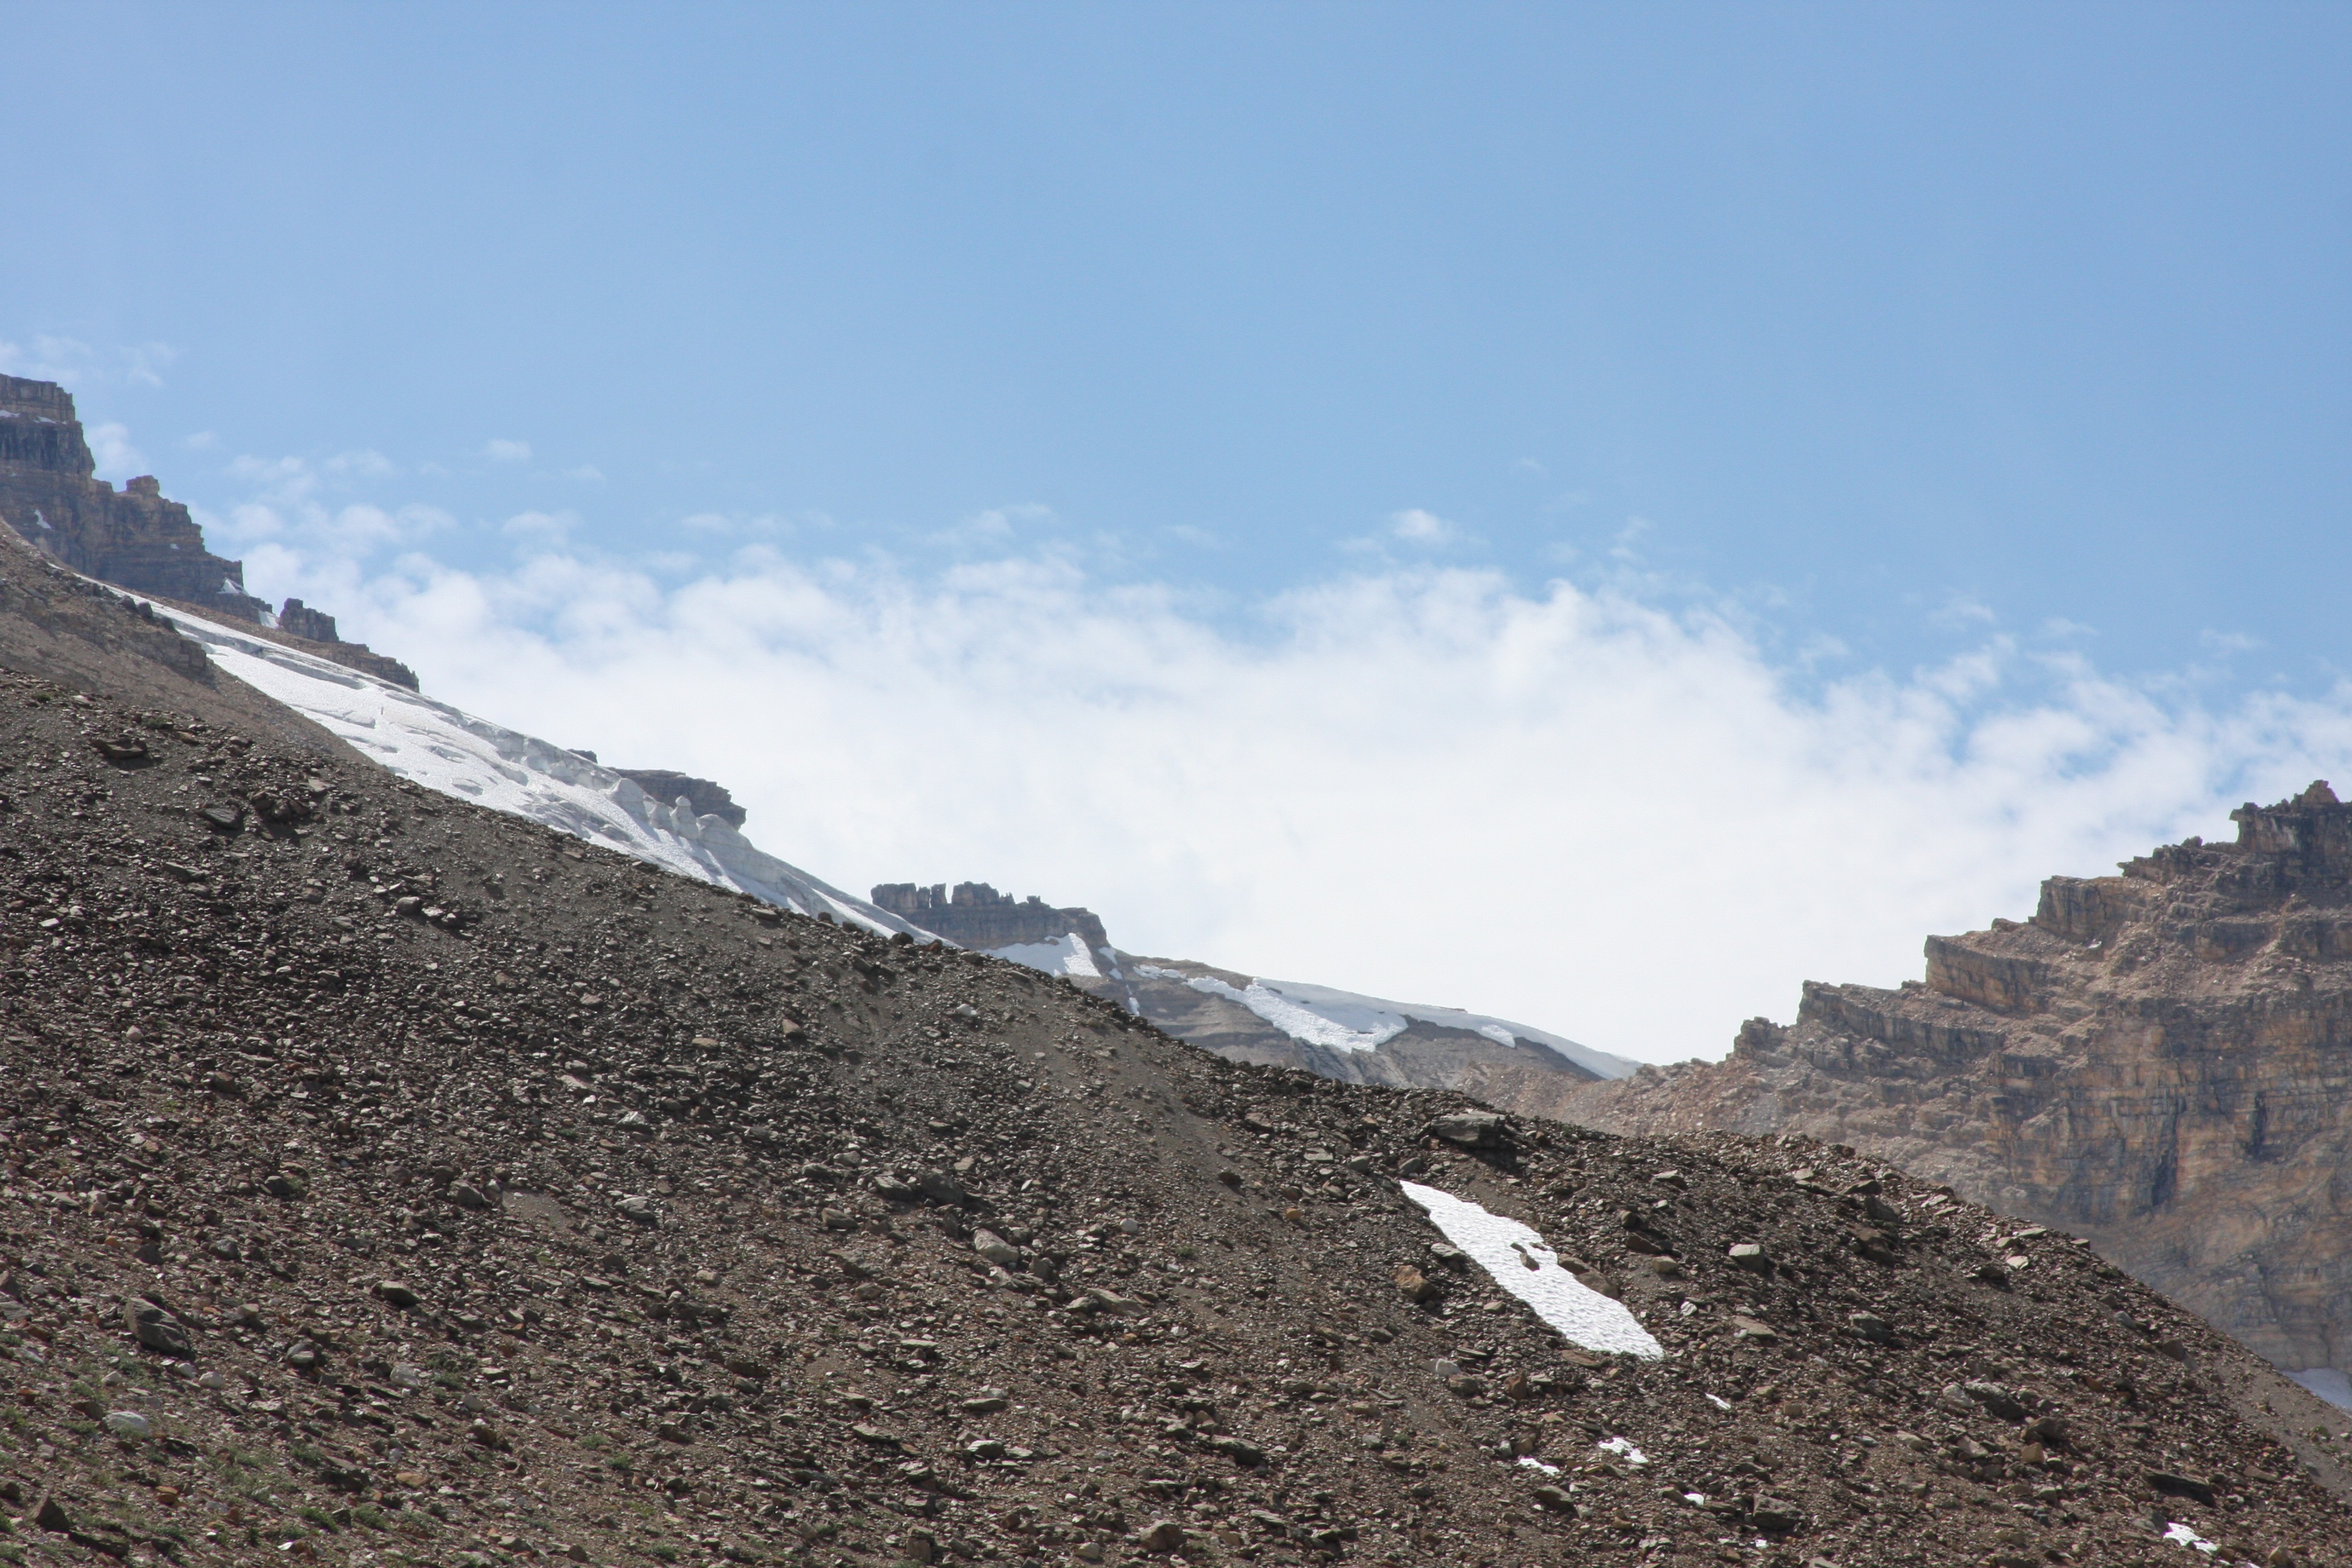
(412, 1185)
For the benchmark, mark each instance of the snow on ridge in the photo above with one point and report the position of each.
(452, 752)
(1066, 955)
(1521, 1264)
(1339, 1027)
(1350, 1021)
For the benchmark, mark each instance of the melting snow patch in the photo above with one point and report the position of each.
(1504, 1249)
(455, 753)
(1623, 1448)
(1719, 1401)
(1529, 1461)
(2183, 1535)
(2327, 1382)
(1067, 955)
(1316, 1027)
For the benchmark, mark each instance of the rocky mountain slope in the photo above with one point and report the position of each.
(384, 1179)
(2161, 1060)
(134, 537)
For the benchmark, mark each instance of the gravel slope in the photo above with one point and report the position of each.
(386, 1181)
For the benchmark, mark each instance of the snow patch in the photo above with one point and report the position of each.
(1066, 956)
(1350, 1021)
(1623, 1448)
(1503, 1248)
(1353, 1027)
(1529, 1462)
(455, 753)
(2327, 1382)
(2181, 1535)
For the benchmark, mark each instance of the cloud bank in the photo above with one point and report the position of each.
(1570, 806)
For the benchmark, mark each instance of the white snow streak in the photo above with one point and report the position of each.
(1503, 1247)
(1065, 955)
(457, 754)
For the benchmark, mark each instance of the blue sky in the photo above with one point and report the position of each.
(1966, 352)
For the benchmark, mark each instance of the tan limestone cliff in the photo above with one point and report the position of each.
(2161, 1061)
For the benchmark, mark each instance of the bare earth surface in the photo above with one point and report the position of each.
(383, 1181)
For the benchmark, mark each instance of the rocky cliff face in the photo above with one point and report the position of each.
(976, 915)
(2159, 1061)
(50, 493)
(134, 538)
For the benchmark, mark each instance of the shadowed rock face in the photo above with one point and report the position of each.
(2161, 1060)
(707, 799)
(976, 915)
(49, 492)
(134, 538)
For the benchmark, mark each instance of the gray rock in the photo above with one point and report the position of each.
(1750, 1256)
(129, 1425)
(639, 1209)
(1870, 1326)
(996, 1249)
(159, 1331)
(1469, 1128)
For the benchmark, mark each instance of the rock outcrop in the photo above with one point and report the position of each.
(976, 915)
(134, 538)
(707, 799)
(2159, 1061)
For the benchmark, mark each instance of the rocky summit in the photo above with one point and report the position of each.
(2161, 1060)
(384, 1180)
(135, 538)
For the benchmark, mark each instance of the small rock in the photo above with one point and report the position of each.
(1997, 1401)
(1469, 1128)
(996, 1249)
(1775, 1515)
(1870, 1326)
(1165, 1535)
(1750, 1256)
(639, 1209)
(129, 1425)
(159, 1331)
(395, 1295)
(1750, 1329)
(984, 1448)
(1451, 1258)
(302, 1355)
(52, 1515)
(468, 1196)
(1417, 1287)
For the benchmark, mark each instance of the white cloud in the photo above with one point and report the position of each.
(117, 458)
(1570, 808)
(202, 441)
(1419, 527)
(587, 473)
(502, 450)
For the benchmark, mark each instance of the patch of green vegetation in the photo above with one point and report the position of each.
(621, 1463)
(663, 1550)
(367, 1514)
(322, 1518)
(592, 1440)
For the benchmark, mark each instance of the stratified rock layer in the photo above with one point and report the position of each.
(2161, 1060)
(50, 493)
(134, 538)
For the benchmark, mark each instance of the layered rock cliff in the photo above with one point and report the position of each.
(2159, 1061)
(134, 538)
(976, 915)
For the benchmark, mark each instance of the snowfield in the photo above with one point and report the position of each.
(1349, 1021)
(1522, 1264)
(455, 753)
